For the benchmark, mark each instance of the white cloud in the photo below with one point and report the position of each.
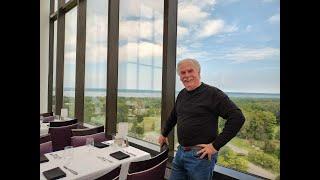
(185, 52)
(205, 3)
(97, 29)
(241, 55)
(182, 31)
(96, 54)
(211, 27)
(214, 27)
(145, 50)
(96, 78)
(274, 19)
(190, 13)
(140, 8)
(181, 50)
(230, 28)
(70, 57)
(132, 30)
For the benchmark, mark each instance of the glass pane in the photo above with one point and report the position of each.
(238, 47)
(55, 5)
(157, 78)
(145, 78)
(54, 67)
(70, 61)
(96, 62)
(139, 80)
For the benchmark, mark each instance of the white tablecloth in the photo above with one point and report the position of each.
(44, 128)
(87, 164)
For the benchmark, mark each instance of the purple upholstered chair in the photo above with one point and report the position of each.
(46, 114)
(45, 138)
(61, 136)
(112, 175)
(153, 168)
(63, 123)
(48, 119)
(45, 147)
(81, 140)
(87, 131)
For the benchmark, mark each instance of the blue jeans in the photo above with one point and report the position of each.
(187, 165)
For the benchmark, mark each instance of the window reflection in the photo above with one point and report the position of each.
(96, 62)
(140, 67)
(54, 67)
(70, 61)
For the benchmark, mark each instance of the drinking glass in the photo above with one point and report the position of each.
(90, 143)
(114, 144)
(68, 155)
(57, 117)
(118, 141)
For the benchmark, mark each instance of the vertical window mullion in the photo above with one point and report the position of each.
(169, 64)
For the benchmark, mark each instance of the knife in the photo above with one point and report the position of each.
(72, 171)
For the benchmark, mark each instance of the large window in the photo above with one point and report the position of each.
(237, 44)
(96, 62)
(140, 67)
(54, 67)
(55, 5)
(70, 61)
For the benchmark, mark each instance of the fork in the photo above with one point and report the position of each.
(102, 158)
(55, 156)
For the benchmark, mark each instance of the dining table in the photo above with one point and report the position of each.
(90, 162)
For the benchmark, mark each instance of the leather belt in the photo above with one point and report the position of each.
(189, 148)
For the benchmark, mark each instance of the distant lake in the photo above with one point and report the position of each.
(70, 92)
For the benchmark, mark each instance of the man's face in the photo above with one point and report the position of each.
(189, 76)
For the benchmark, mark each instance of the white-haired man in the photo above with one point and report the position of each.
(196, 113)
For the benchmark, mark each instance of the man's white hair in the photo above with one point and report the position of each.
(194, 62)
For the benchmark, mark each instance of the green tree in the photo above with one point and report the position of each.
(122, 112)
(229, 159)
(139, 118)
(89, 109)
(265, 160)
(270, 146)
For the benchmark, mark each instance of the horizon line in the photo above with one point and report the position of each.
(159, 91)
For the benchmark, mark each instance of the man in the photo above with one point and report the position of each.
(196, 113)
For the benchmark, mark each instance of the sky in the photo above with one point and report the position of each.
(236, 42)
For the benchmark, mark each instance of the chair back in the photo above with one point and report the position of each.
(81, 140)
(63, 123)
(153, 168)
(155, 173)
(61, 136)
(45, 147)
(46, 114)
(112, 175)
(87, 131)
(48, 119)
(45, 138)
